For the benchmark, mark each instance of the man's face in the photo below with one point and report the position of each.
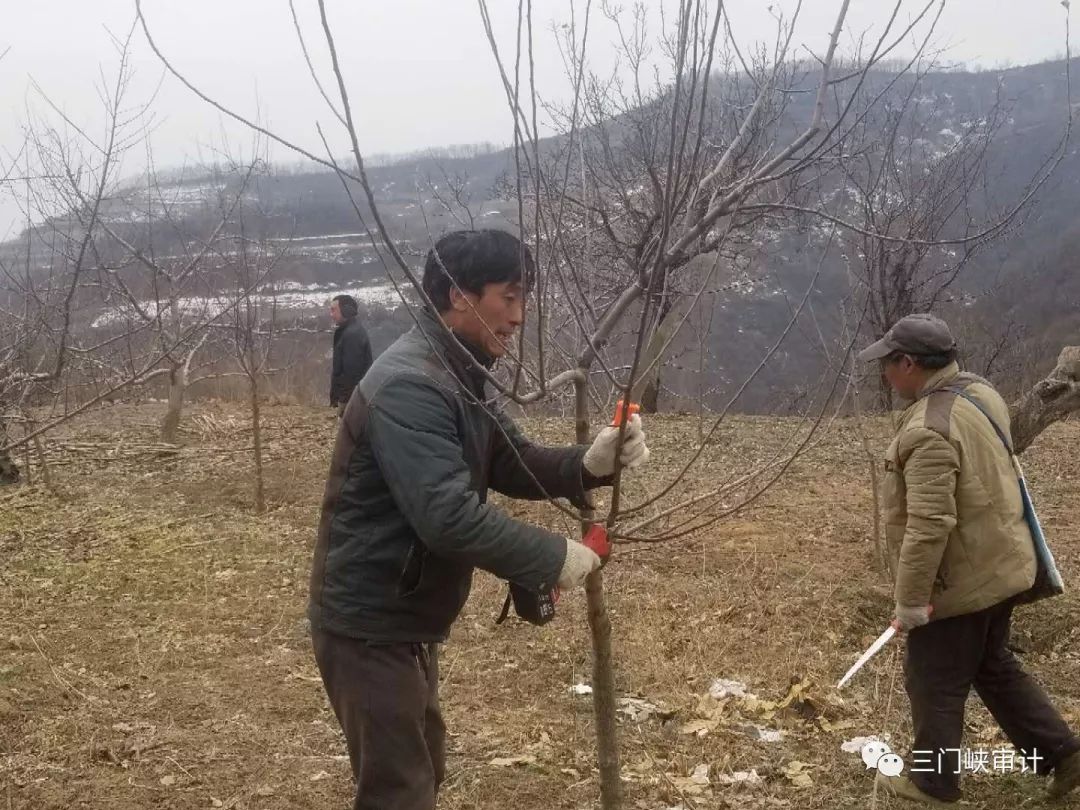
(490, 319)
(335, 313)
(901, 372)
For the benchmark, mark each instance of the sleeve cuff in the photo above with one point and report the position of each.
(590, 481)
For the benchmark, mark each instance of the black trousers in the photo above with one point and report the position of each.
(386, 697)
(944, 660)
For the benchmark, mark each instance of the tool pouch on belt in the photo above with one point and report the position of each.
(539, 608)
(533, 607)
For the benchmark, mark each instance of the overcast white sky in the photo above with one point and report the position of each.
(419, 72)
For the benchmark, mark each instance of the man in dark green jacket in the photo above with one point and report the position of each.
(352, 350)
(405, 517)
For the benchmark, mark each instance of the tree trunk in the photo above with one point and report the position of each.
(29, 428)
(649, 395)
(603, 672)
(701, 380)
(177, 386)
(256, 431)
(45, 475)
(9, 470)
(1051, 400)
(27, 466)
(875, 484)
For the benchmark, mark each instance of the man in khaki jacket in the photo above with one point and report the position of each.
(961, 554)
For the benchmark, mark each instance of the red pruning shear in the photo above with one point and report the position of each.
(624, 412)
(596, 538)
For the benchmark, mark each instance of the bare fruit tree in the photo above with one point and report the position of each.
(252, 331)
(164, 300)
(104, 290)
(917, 191)
(68, 178)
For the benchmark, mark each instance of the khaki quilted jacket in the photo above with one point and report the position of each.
(954, 518)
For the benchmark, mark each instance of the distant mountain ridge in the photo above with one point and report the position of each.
(1029, 284)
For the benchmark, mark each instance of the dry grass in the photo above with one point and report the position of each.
(153, 651)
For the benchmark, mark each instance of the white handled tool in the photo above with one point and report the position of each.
(880, 642)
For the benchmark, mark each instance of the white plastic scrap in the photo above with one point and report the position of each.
(581, 689)
(722, 688)
(768, 735)
(855, 746)
(750, 777)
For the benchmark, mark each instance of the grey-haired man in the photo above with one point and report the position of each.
(963, 557)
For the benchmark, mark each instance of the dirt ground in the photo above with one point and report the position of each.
(154, 652)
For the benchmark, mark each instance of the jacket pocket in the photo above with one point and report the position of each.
(413, 570)
(894, 493)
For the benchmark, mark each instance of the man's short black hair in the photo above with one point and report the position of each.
(347, 304)
(934, 362)
(472, 259)
(930, 362)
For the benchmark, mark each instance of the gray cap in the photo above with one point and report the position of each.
(912, 334)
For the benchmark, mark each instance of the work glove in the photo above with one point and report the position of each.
(908, 616)
(600, 457)
(580, 562)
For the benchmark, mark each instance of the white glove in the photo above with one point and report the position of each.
(600, 457)
(908, 616)
(580, 562)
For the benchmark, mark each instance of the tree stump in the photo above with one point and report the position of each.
(1049, 401)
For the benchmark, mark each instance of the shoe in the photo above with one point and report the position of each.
(1066, 776)
(903, 788)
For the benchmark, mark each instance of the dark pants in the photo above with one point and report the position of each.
(386, 697)
(944, 660)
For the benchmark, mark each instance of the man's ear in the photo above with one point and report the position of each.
(457, 300)
(911, 368)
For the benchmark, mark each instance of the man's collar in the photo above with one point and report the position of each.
(478, 354)
(469, 357)
(940, 378)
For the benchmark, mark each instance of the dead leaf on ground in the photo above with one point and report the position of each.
(694, 784)
(699, 727)
(507, 762)
(640, 710)
(797, 773)
(842, 725)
